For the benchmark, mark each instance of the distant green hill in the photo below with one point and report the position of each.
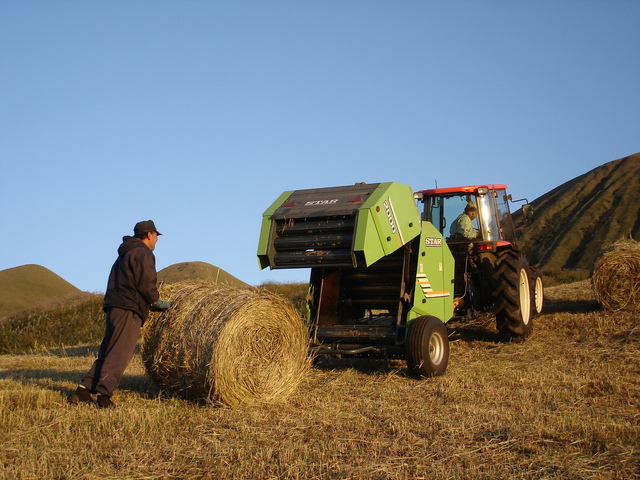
(198, 271)
(74, 319)
(27, 285)
(574, 221)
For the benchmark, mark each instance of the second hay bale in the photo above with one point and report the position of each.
(226, 345)
(616, 276)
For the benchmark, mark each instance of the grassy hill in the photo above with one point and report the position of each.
(198, 271)
(574, 221)
(69, 320)
(48, 312)
(28, 285)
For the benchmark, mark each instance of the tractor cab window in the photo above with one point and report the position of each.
(504, 216)
(466, 217)
(490, 226)
(433, 211)
(455, 216)
(495, 216)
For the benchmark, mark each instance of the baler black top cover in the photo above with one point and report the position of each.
(337, 226)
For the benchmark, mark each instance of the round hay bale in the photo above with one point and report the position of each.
(616, 276)
(225, 345)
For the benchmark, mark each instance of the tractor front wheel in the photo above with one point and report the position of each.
(512, 296)
(427, 347)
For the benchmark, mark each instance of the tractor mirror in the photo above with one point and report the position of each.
(527, 212)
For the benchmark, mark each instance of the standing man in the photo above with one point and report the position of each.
(131, 292)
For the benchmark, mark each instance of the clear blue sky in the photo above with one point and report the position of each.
(198, 114)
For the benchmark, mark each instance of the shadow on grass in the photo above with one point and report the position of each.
(472, 334)
(479, 327)
(368, 365)
(52, 380)
(571, 306)
(85, 355)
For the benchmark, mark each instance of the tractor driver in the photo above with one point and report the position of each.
(463, 227)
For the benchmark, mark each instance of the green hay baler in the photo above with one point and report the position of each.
(381, 278)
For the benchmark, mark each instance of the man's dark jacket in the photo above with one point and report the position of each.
(133, 278)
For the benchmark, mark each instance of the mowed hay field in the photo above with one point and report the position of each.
(563, 405)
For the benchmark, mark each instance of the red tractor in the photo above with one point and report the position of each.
(491, 272)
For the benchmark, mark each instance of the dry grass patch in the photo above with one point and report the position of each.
(562, 405)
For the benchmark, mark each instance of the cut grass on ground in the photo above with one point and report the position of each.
(562, 405)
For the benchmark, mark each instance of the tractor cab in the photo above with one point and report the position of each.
(476, 214)
(476, 224)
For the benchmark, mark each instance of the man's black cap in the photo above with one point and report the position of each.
(145, 227)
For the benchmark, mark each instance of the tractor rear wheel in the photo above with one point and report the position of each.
(512, 296)
(427, 347)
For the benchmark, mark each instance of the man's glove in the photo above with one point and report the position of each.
(160, 306)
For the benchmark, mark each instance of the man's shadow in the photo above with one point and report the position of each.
(52, 379)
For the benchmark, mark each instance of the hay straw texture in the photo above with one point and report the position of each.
(224, 345)
(616, 276)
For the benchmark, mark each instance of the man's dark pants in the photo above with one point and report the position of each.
(115, 352)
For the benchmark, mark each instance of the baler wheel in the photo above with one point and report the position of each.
(427, 347)
(512, 295)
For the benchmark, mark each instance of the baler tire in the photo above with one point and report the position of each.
(427, 347)
(512, 296)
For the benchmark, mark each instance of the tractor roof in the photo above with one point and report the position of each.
(454, 190)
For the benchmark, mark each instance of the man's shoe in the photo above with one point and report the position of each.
(104, 402)
(81, 395)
